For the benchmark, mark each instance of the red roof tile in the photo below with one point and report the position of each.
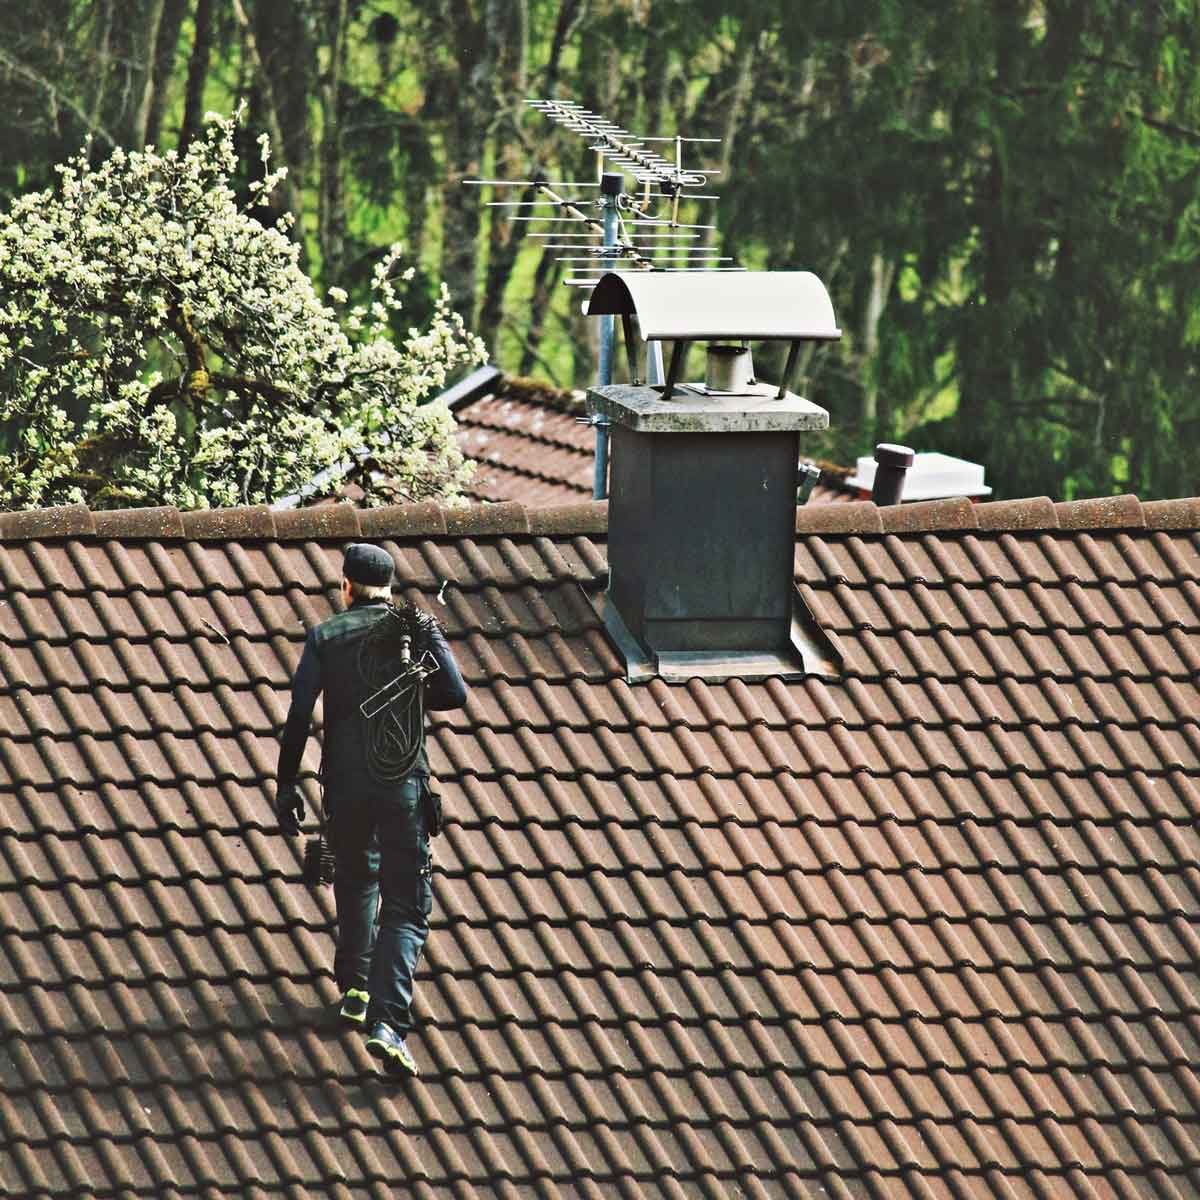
(927, 929)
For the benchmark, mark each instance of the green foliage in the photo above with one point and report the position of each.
(1003, 198)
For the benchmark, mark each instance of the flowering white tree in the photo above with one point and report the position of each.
(159, 346)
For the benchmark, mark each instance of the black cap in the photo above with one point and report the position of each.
(889, 455)
(367, 564)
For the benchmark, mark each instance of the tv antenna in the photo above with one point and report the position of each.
(609, 223)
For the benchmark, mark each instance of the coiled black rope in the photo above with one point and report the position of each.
(395, 734)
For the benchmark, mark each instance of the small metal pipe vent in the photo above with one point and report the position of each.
(729, 370)
(893, 463)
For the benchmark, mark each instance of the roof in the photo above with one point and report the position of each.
(704, 304)
(928, 931)
(528, 446)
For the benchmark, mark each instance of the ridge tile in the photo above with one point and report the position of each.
(1103, 512)
(326, 521)
(45, 524)
(150, 523)
(229, 524)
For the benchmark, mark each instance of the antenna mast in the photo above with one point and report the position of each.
(636, 229)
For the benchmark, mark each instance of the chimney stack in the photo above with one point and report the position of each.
(704, 476)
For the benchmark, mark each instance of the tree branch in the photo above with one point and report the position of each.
(194, 386)
(90, 123)
(530, 353)
(1180, 131)
(258, 387)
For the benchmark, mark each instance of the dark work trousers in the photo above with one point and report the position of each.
(383, 889)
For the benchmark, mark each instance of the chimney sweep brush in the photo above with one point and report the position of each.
(319, 863)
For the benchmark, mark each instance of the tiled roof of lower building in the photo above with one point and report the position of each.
(925, 930)
(528, 445)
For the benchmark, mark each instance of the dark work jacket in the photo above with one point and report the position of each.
(329, 664)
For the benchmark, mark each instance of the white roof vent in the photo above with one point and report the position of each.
(933, 476)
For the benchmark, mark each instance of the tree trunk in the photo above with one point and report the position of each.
(882, 274)
(470, 104)
(415, 189)
(570, 14)
(654, 69)
(506, 237)
(545, 280)
(166, 45)
(193, 103)
(460, 206)
(292, 194)
(103, 52)
(584, 333)
(990, 370)
(147, 54)
(745, 52)
(289, 61)
(332, 207)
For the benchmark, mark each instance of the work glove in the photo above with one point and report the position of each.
(289, 809)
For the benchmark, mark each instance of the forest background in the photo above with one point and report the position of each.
(1003, 196)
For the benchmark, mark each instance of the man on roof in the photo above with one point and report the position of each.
(379, 666)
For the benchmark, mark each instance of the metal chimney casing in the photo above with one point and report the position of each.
(701, 534)
(702, 485)
(701, 528)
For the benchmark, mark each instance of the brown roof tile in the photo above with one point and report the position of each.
(156, 523)
(924, 930)
(957, 513)
(1172, 514)
(229, 524)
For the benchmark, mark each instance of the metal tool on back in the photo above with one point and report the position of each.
(399, 690)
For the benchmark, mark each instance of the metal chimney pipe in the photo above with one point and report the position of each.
(612, 184)
(892, 466)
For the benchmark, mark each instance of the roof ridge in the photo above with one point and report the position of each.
(302, 524)
(527, 389)
(1000, 516)
(583, 517)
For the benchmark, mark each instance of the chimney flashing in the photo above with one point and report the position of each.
(811, 652)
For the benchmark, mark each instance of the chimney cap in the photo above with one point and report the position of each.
(701, 305)
(888, 454)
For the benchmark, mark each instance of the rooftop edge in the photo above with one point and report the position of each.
(343, 521)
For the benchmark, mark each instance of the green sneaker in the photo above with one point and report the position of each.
(388, 1046)
(354, 1006)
